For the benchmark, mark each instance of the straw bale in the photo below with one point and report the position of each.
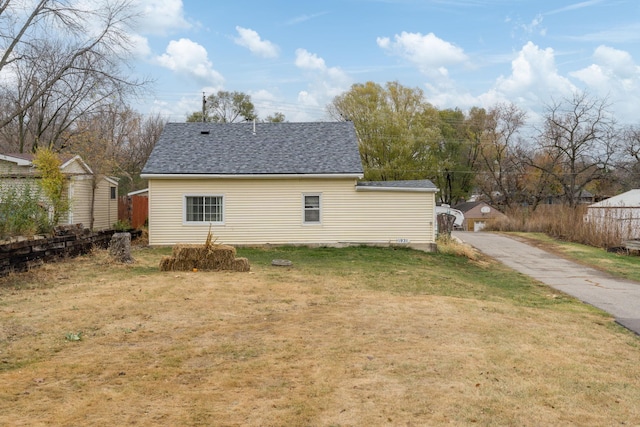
(225, 248)
(183, 265)
(166, 263)
(241, 265)
(208, 264)
(189, 252)
(224, 254)
(208, 257)
(222, 251)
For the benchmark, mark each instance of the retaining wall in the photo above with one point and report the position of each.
(20, 255)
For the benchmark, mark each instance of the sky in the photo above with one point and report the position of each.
(294, 57)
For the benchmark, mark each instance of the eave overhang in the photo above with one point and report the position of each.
(251, 176)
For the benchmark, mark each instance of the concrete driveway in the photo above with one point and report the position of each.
(618, 297)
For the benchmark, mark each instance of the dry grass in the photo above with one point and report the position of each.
(561, 222)
(314, 344)
(452, 246)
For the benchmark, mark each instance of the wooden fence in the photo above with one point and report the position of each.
(134, 210)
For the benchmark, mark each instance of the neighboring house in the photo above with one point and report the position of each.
(15, 168)
(618, 214)
(582, 197)
(278, 183)
(477, 215)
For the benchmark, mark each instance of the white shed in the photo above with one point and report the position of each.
(619, 214)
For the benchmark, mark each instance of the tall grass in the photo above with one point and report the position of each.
(564, 223)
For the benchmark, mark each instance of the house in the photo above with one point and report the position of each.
(477, 215)
(619, 214)
(278, 183)
(582, 197)
(15, 168)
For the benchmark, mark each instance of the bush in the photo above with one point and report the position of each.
(121, 225)
(52, 181)
(21, 211)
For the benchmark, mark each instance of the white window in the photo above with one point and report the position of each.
(204, 209)
(311, 204)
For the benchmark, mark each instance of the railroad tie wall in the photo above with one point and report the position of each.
(20, 255)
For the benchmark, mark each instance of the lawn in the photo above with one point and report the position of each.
(344, 337)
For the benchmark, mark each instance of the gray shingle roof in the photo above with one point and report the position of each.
(467, 206)
(275, 148)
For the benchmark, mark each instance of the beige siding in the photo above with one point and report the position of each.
(19, 183)
(75, 168)
(11, 169)
(81, 200)
(106, 209)
(270, 211)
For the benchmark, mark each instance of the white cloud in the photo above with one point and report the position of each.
(304, 18)
(574, 6)
(533, 82)
(613, 70)
(160, 17)
(252, 41)
(330, 81)
(139, 46)
(309, 61)
(534, 73)
(262, 95)
(615, 75)
(428, 52)
(325, 83)
(267, 103)
(593, 76)
(620, 34)
(619, 62)
(535, 26)
(190, 59)
(148, 17)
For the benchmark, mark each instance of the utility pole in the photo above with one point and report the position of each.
(204, 103)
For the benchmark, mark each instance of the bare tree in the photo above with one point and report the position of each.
(631, 137)
(133, 155)
(628, 163)
(59, 62)
(500, 168)
(578, 139)
(116, 142)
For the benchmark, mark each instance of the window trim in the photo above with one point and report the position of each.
(305, 209)
(196, 223)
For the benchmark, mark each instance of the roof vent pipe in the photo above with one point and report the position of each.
(254, 126)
